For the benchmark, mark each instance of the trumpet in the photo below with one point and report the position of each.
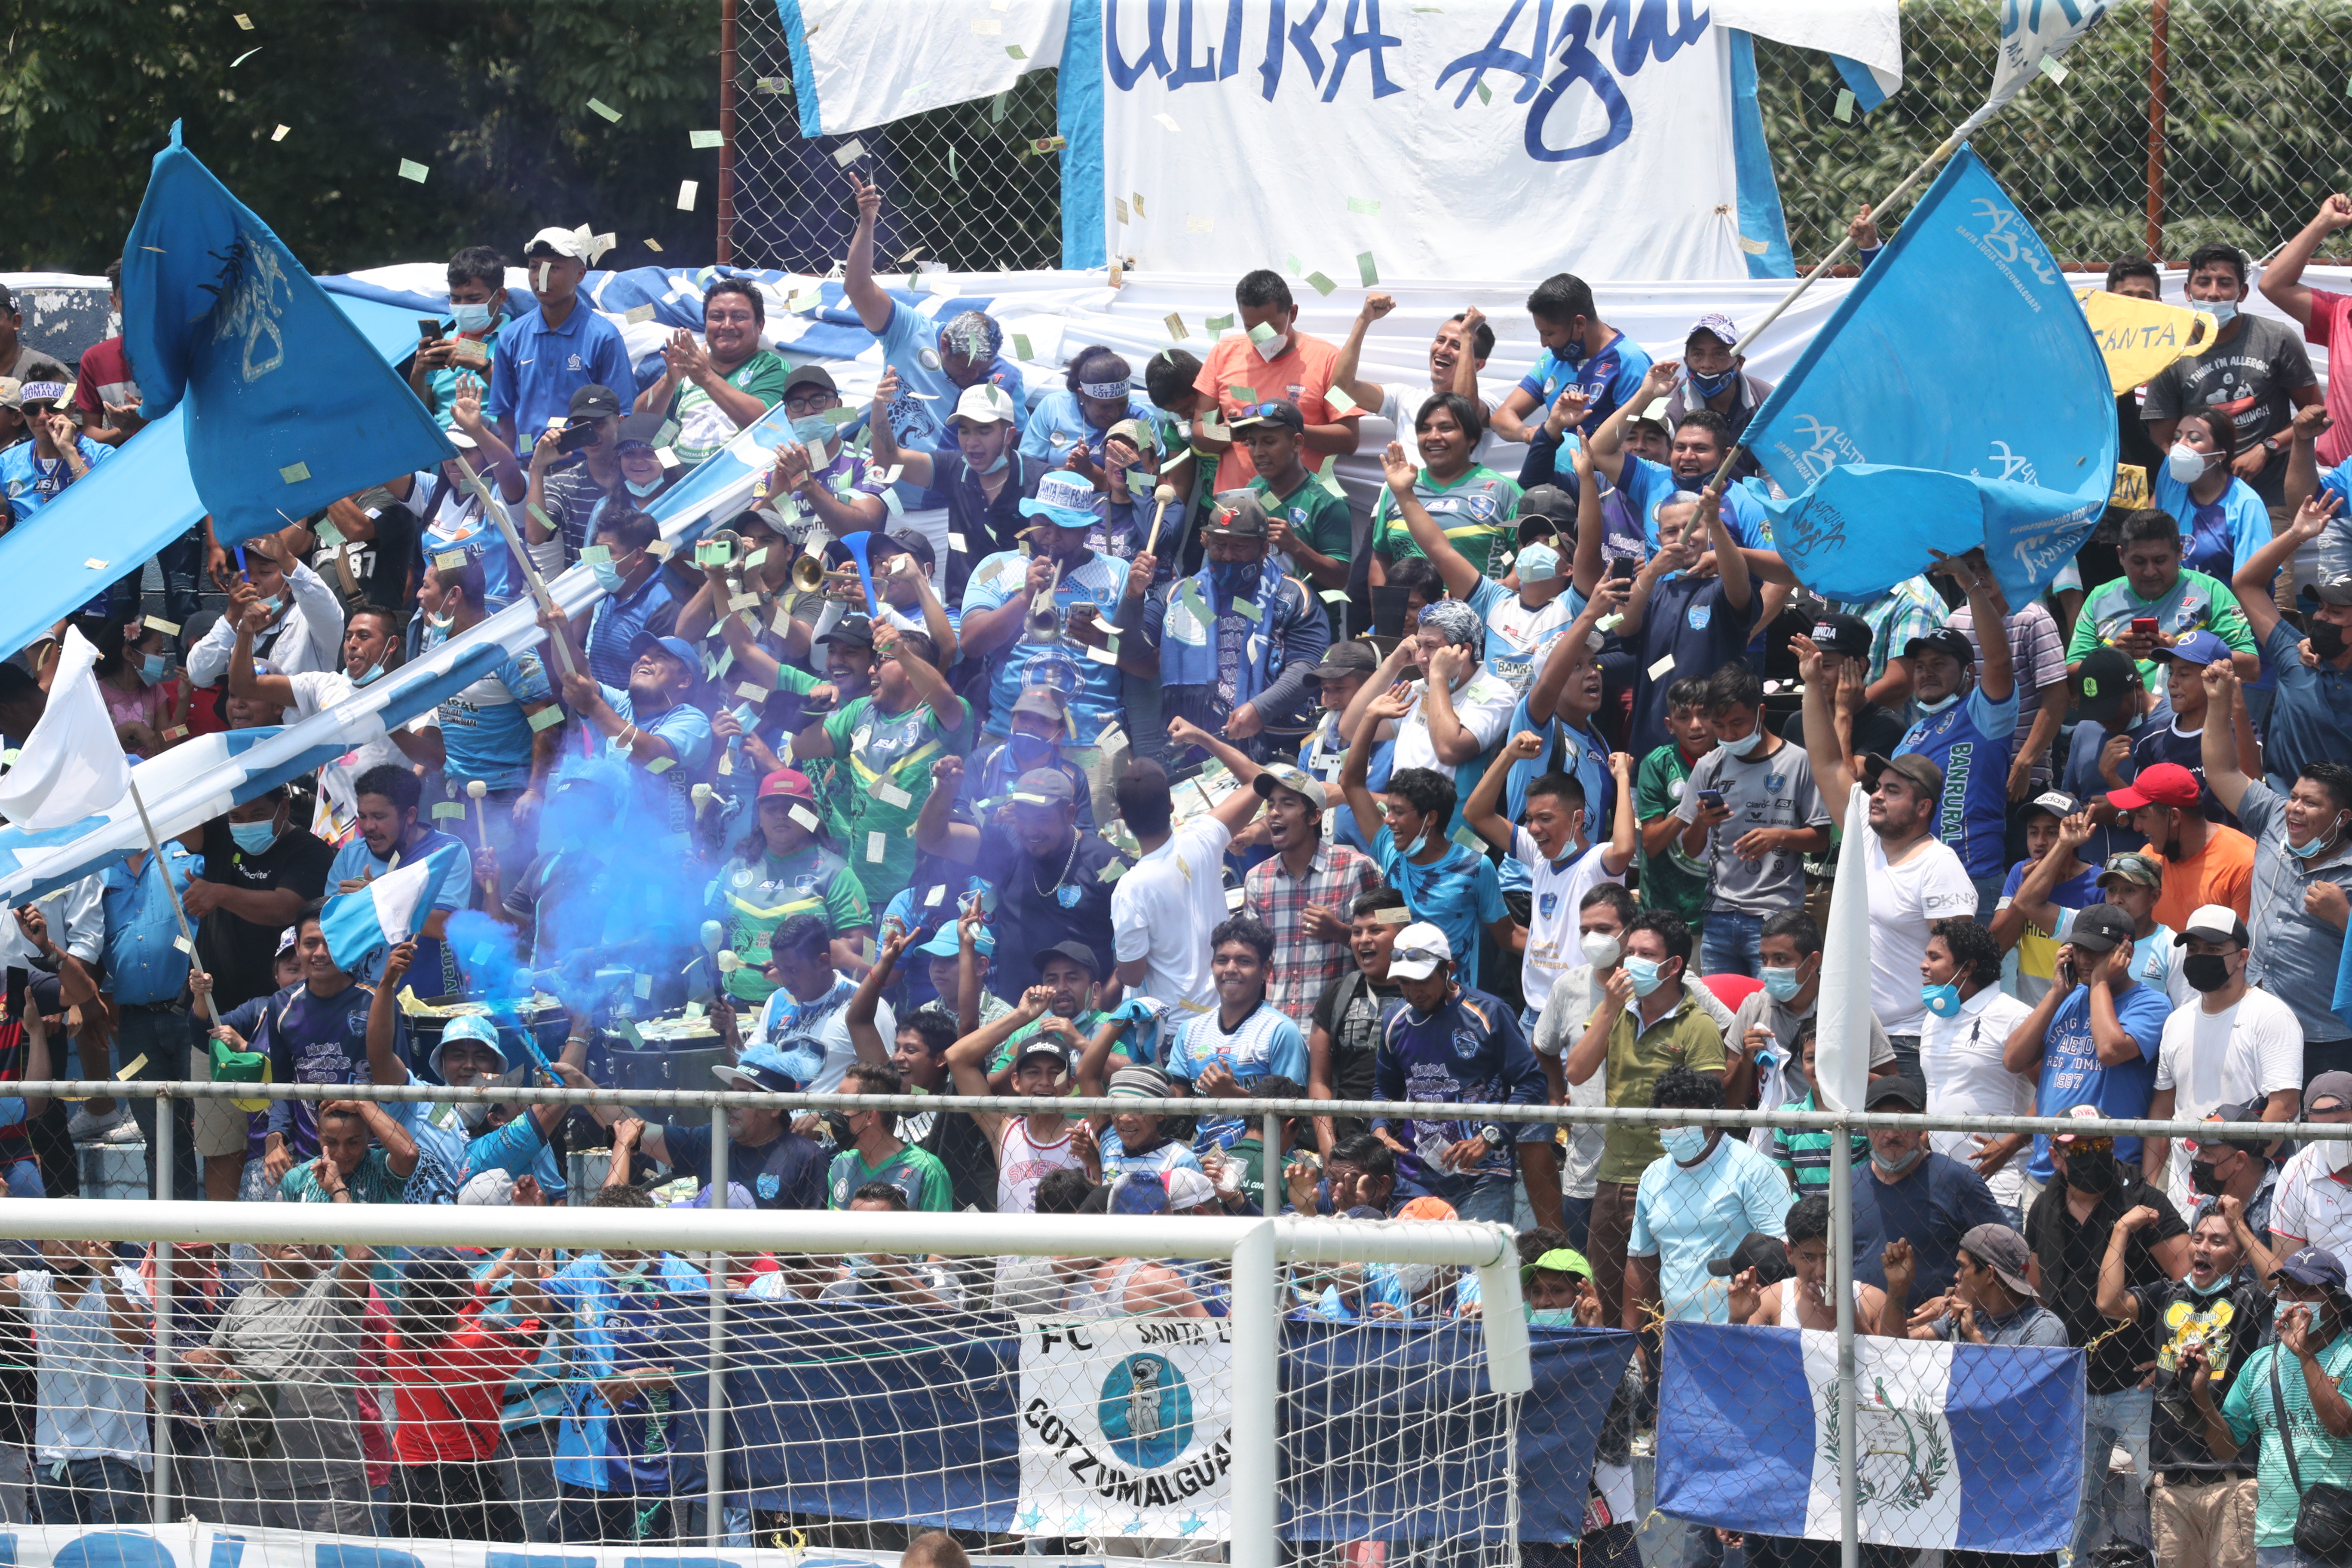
(1045, 620)
(808, 574)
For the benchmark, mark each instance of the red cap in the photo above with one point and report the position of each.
(790, 782)
(2166, 783)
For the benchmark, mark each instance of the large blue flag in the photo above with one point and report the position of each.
(1969, 1447)
(1957, 398)
(289, 404)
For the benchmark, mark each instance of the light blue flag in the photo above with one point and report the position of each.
(388, 910)
(1960, 1448)
(1957, 398)
(289, 404)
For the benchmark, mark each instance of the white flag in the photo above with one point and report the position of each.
(1842, 1046)
(71, 766)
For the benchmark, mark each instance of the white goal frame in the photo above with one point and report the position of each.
(1255, 1247)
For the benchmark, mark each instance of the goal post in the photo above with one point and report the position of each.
(1256, 1251)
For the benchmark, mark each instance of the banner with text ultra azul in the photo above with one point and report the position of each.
(1357, 140)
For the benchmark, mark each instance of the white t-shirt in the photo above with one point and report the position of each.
(1555, 943)
(1905, 900)
(1163, 910)
(1517, 636)
(2310, 1204)
(1483, 705)
(1960, 1059)
(2243, 1052)
(92, 1387)
(318, 690)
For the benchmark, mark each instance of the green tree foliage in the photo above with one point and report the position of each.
(2253, 86)
(491, 97)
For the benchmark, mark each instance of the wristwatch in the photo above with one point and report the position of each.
(1492, 1134)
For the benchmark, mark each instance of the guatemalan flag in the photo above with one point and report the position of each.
(388, 910)
(1970, 1447)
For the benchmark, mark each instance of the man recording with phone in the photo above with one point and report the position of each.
(303, 628)
(575, 468)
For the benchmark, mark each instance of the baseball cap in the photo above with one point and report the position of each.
(285, 941)
(42, 392)
(2133, 867)
(2106, 679)
(677, 648)
(1044, 786)
(2102, 927)
(1044, 702)
(1239, 515)
(1189, 1189)
(853, 630)
(1044, 1046)
(2002, 1250)
(594, 402)
(1846, 636)
(2243, 1112)
(1943, 639)
(1063, 500)
(487, 1189)
(948, 941)
(456, 438)
(12, 393)
(2198, 646)
(2214, 923)
(2079, 1142)
(1911, 1092)
(2335, 1086)
(1137, 433)
(2056, 802)
(1282, 415)
(2164, 783)
(1346, 659)
(1767, 1254)
(1716, 324)
(1297, 781)
(764, 1069)
(1544, 510)
(649, 429)
(1138, 1083)
(564, 242)
(790, 782)
(2312, 1266)
(1078, 953)
(809, 375)
(1558, 1260)
(1138, 1192)
(1420, 948)
(2333, 589)
(1921, 771)
(983, 402)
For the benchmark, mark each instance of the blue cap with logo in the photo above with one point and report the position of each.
(2199, 647)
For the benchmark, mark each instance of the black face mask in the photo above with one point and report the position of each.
(2205, 1179)
(2206, 970)
(2092, 1173)
(2327, 639)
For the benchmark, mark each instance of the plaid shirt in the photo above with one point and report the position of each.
(1303, 966)
(1912, 608)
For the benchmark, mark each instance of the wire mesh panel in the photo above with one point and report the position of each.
(966, 186)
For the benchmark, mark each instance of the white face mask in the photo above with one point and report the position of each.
(1600, 949)
(2185, 463)
(2337, 1152)
(1273, 348)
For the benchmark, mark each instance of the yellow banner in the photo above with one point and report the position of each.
(2138, 338)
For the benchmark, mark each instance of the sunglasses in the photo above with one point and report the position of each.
(2086, 1145)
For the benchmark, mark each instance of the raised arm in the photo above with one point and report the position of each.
(1832, 769)
(917, 468)
(2219, 746)
(862, 1010)
(1389, 705)
(969, 1058)
(1738, 588)
(1609, 441)
(866, 296)
(1368, 395)
(2031, 905)
(1461, 579)
(2254, 581)
(935, 832)
(1997, 677)
(1568, 649)
(2281, 282)
(384, 1066)
(1383, 678)
(1479, 811)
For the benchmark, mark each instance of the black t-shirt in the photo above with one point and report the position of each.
(956, 1140)
(2070, 1255)
(1877, 730)
(2230, 1323)
(786, 1173)
(237, 954)
(1040, 906)
(1686, 621)
(1355, 1032)
(985, 526)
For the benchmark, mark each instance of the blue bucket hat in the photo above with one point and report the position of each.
(1063, 499)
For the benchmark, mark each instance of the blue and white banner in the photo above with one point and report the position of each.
(1902, 430)
(1127, 1428)
(1973, 1447)
(1458, 134)
(2033, 32)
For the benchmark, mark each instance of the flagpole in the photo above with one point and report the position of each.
(498, 515)
(155, 851)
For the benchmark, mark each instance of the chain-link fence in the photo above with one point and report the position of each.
(966, 186)
(2241, 95)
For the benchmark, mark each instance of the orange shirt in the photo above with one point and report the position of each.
(2222, 873)
(1301, 376)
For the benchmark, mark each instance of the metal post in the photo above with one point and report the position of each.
(1842, 1282)
(2159, 69)
(1257, 1372)
(166, 1134)
(725, 252)
(714, 1414)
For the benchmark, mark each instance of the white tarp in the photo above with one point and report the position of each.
(873, 61)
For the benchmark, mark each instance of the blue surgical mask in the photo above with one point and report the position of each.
(374, 673)
(274, 603)
(253, 837)
(1684, 1144)
(812, 431)
(1711, 386)
(1938, 706)
(1029, 752)
(1746, 743)
(607, 575)
(1782, 984)
(1944, 1001)
(649, 487)
(1643, 973)
(152, 667)
(997, 467)
(471, 318)
(2223, 311)
(1552, 1318)
(2318, 841)
(2221, 1282)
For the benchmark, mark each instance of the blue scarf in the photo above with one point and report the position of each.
(1192, 603)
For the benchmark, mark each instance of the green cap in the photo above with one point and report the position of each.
(1558, 1260)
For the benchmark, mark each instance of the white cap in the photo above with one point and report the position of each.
(1420, 949)
(2212, 922)
(565, 242)
(459, 439)
(984, 403)
(1189, 1189)
(495, 1188)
